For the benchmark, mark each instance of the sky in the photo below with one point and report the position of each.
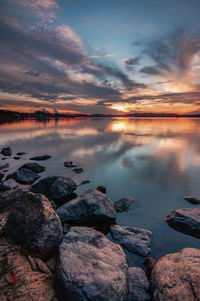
(108, 56)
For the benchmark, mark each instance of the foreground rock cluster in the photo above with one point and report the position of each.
(53, 245)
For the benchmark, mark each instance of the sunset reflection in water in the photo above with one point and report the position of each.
(155, 160)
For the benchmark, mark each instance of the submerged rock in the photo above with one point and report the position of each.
(24, 176)
(20, 153)
(32, 222)
(91, 267)
(84, 182)
(4, 166)
(93, 207)
(192, 199)
(69, 164)
(56, 188)
(16, 158)
(78, 170)
(35, 167)
(123, 204)
(177, 276)
(186, 220)
(6, 151)
(138, 285)
(40, 158)
(1, 176)
(23, 277)
(135, 240)
(101, 188)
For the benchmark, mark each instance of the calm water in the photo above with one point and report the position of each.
(157, 161)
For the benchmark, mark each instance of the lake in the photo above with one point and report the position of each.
(154, 160)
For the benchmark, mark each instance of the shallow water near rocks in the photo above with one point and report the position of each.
(154, 160)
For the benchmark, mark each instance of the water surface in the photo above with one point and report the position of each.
(154, 160)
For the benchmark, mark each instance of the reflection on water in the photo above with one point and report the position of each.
(157, 161)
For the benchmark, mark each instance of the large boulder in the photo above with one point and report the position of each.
(123, 204)
(138, 285)
(90, 267)
(24, 176)
(176, 276)
(56, 188)
(135, 240)
(92, 208)
(23, 277)
(32, 222)
(186, 220)
(6, 151)
(35, 167)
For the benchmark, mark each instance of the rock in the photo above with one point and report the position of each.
(41, 158)
(38, 227)
(78, 170)
(53, 204)
(4, 166)
(16, 158)
(20, 153)
(6, 151)
(177, 276)
(133, 239)
(7, 185)
(69, 164)
(186, 220)
(84, 182)
(1, 176)
(35, 167)
(92, 208)
(4, 159)
(101, 188)
(24, 176)
(138, 285)
(123, 204)
(56, 188)
(192, 199)
(149, 264)
(90, 267)
(19, 281)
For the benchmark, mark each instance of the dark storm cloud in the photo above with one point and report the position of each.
(172, 53)
(150, 70)
(185, 97)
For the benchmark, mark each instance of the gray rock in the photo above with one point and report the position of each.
(6, 151)
(69, 164)
(4, 166)
(24, 176)
(138, 285)
(101, 188)
(192, 199)
(40, 158)
(32, 223)
(133, 239)
(53, 204)
(123, 204)
(78, 170)
(56, 188)
(186, 220)
(35, 167)
(176, 276)
(7, 185)
(90, 267)
(93, 207)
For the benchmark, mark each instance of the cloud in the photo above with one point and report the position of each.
(130, 62)
(150, 70)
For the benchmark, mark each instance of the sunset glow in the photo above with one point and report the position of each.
(142, 58)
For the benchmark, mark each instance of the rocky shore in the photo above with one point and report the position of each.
(54, 243)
